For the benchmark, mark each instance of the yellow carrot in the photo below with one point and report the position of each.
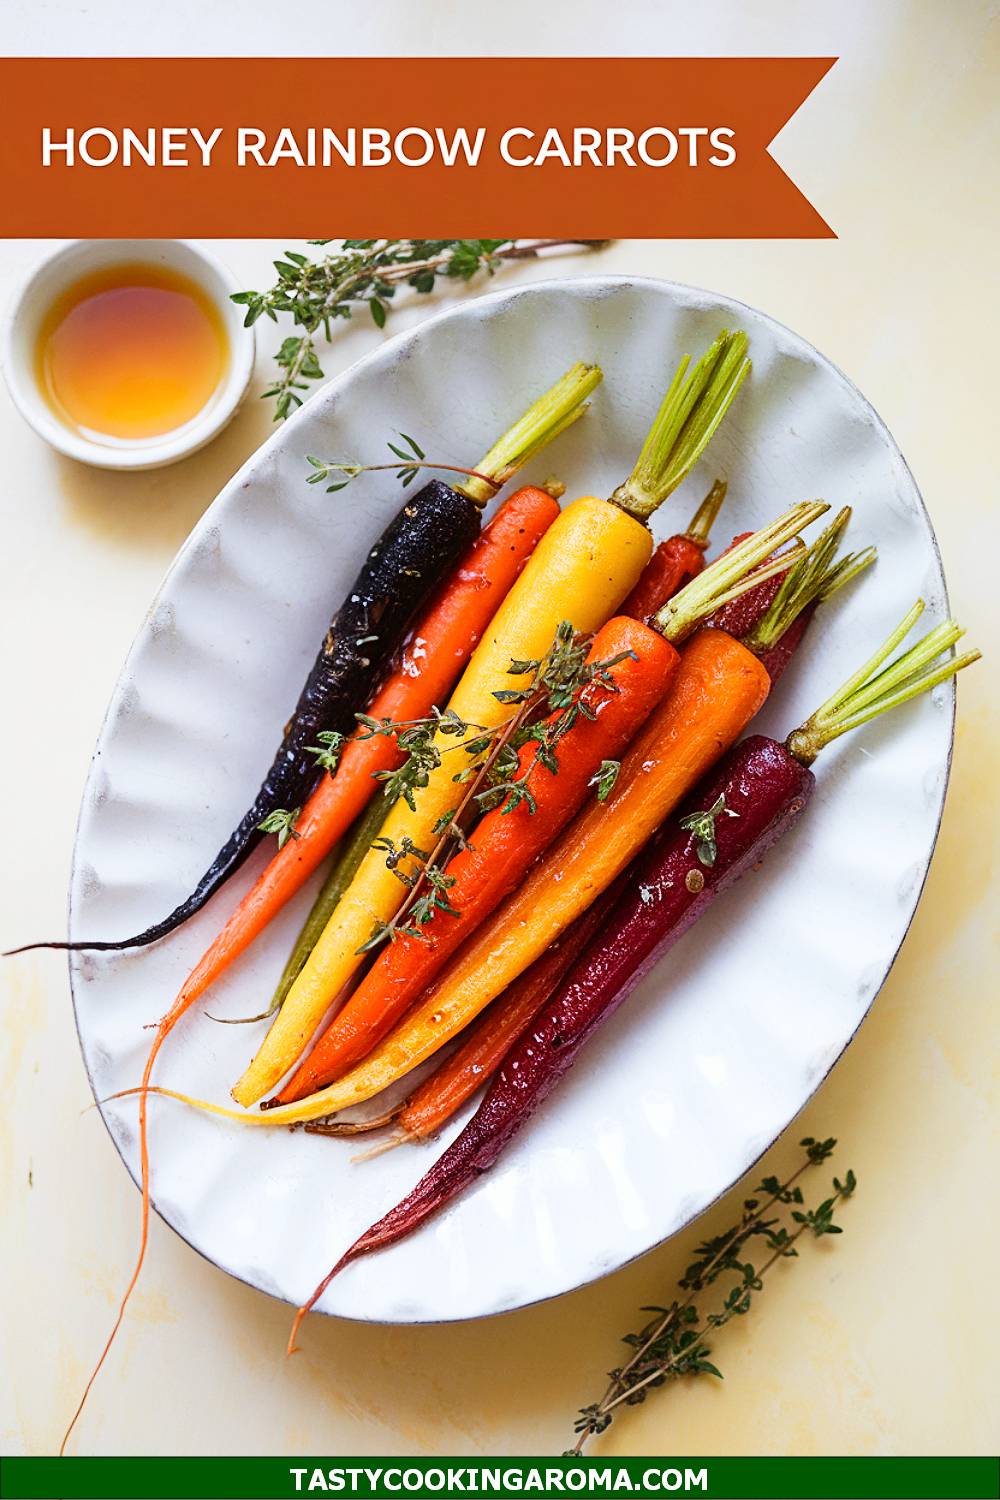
(586, 564)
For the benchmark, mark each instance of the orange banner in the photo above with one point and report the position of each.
(591, 148)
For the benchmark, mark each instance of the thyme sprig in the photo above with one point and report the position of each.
(673, 1342)
(546, 707)
(315, 292)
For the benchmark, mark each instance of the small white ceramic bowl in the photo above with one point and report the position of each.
(80, 258)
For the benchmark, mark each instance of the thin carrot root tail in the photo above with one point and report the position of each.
(307, 1307)
(397, 1138)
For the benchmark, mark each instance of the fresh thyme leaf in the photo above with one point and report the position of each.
(395, 853)
(702, 826)
(512, 695)
(328, 751)
(605, 778)
(282, 822)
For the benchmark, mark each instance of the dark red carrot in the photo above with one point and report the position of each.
(740, 810)
(675, 561)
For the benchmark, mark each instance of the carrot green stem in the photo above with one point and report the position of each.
(875, 689)
(700, 530)
(716, 585)
(691, 411)
(550, 415)
(813, 577)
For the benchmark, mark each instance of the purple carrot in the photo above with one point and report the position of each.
(747, 803)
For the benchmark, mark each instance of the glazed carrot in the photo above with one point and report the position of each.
(506, 842)
(487, 1040)
(717, 688)
(549, 416)
(363, 834)
(432, 658)
(773, 633)
(674, 563)
(719, 683)
(583, 568)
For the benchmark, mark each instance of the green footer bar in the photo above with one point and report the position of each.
(275, 1478)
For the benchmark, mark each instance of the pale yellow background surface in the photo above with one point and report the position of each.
(880, 1342)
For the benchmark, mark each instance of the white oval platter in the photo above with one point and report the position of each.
(726, 1041)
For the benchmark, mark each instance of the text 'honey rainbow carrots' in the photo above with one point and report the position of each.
(735, 817)
(584, 566)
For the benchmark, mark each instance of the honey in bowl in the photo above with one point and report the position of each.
(129, 353)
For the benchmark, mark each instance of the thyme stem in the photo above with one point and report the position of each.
(314, 294)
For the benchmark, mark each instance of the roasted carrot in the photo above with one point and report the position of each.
(584, 566)
(774, 633)
(674, 563)
(363, 834)
(717, 688)
(505, 844)
(767, 785)
(420, 545)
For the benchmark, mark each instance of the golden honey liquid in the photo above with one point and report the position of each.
(131, 352)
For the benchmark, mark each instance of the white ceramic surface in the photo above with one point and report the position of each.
(712, 1057)
(80, 258)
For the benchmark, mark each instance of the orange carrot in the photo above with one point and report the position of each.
(505, 844)
(434, 655)
(497, 1029)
